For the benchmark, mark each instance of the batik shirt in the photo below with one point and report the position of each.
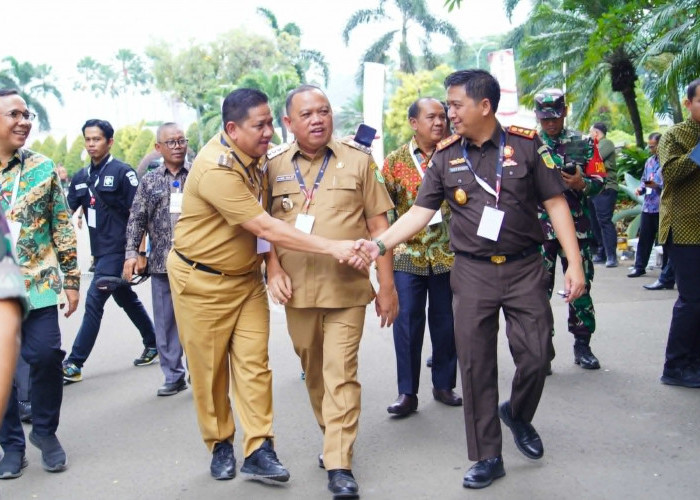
(429, 249)
(46, 241)
(577, 200)
(652, 172)
(150, 212)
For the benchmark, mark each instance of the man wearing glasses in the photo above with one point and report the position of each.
(44, 240)
(105, 190)
(155, 210)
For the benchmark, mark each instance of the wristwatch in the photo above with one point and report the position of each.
(142, 254)
(380, 244)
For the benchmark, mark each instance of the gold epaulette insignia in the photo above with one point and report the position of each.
(277, 150)
(225, 160)
(446, 142)
(528, 133)
(354, 144)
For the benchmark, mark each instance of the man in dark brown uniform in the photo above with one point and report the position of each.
(493, 180)
(218, 291)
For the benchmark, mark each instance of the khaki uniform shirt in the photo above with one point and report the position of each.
(524, 184)
(351, 191)
(221, 193)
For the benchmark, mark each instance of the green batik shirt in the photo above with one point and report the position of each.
(47, 239)
(11, 279)
(577, 200)
(430, 248)
(680, 198)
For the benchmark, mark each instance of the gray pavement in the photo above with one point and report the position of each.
(608, 434)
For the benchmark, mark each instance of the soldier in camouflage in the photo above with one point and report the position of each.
(550, 108)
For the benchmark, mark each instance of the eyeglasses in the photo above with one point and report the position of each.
(174, 144)
(17, 115)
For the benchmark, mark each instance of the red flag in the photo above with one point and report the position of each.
(596, 166)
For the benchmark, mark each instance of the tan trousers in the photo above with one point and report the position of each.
(327, 341)
(224, 325)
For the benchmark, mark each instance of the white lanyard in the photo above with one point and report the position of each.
(15, 190)
(97, 180)
(419, 168)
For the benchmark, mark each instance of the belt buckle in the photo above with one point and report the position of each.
(498, 259)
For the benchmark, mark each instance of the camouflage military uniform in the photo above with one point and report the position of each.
(581, 312)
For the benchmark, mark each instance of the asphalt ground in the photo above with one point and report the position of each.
(612, 433)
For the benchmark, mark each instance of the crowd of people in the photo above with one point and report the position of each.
(467, 219)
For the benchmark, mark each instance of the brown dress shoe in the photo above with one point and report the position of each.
(404, 405)
(447, 396)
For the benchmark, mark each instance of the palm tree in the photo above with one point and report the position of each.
(33, 83)
(414, 19)
(288, 37)
(596, 40)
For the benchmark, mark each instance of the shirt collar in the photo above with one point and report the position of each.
(333, 145)
(248, 161)
(162, 169)
(16, 159)
(495, 138)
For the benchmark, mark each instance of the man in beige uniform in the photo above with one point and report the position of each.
(218, 292)
(333, 189)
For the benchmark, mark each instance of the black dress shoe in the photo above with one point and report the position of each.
(223, 463)
(25, 411)
(342, 484)
(584, 357)
(482, 473)
(526, 438)
(172, 388)
(404, 405)
(658, 285)
(447, 396)
(684, 377)
(636, 273)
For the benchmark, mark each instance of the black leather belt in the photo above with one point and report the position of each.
(198, 266)
(501, 259)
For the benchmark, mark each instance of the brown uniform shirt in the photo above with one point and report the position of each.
(525, 184)
(351, 191)
(220, 195)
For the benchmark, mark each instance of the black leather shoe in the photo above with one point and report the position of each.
(526, 438)
(482, 473)
(404, 405)
(684, 377)
(173, 388)
(25, 411)
(658, 285)
(447, 396)
(263, 465)
(342, 484)
(636, 273)
(584, 357)
(223, 463)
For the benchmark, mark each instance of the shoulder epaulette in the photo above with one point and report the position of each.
(225, 160)
(446, 142)
(354, 144)
(277, 150)
(528, 133)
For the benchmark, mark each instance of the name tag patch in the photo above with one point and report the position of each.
(284, 178)
(82, 185)
(458, 169)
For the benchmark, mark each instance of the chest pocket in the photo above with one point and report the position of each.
(280, 190)
(344, 193)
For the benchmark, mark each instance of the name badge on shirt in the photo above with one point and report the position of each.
(490, 223)
(304, 223)
(92, 218)
(437, 218)
(15, 228)
(175, 203)
(648, 190)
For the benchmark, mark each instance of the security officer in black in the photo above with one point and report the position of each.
(105, 190)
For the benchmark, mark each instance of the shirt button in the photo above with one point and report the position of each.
(459, 181)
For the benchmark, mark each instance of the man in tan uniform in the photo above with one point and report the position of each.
(218, 291)
(333, 189)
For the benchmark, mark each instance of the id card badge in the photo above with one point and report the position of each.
(648, 190)
(175, 203)
(490, 224)
(437, 218)
(263, 246)
(304, 223)
(92, 218)
(15, 228)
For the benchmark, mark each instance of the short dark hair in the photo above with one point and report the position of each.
(6, 92)
(307, 87)
(414, 108)
(654, 136)
(103, 125)
(237, 104)
(601, 126)
(478, 84)
(692, 88)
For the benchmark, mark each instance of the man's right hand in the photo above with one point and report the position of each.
(129, 269)
(279, 286)
(347, 251)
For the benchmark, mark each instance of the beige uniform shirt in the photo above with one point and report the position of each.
(221, 193)
(351, 191)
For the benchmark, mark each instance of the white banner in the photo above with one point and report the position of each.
(373, 105)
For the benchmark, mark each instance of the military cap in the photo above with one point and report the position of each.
(550, 103)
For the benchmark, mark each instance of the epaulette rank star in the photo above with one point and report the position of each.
(225, 160)
(446, 142)
(277, 150)
(528, 133)
(354, 144)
